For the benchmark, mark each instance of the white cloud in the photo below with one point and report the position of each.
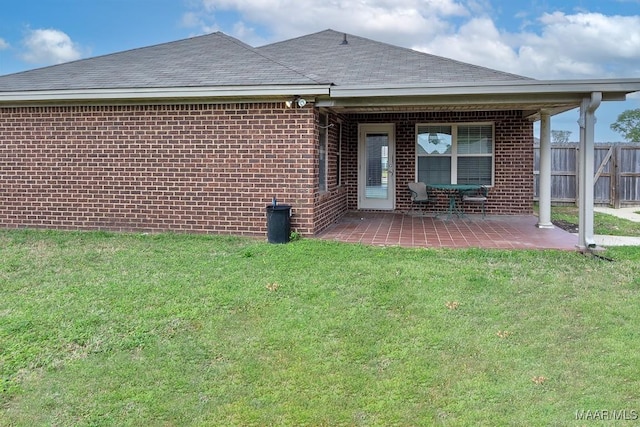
(49, 46)
(478, 41)
(3, 44)
(566, 46)
(553, 45)
(392, 21)
(200, 23)
(585, 44)
(191, 19)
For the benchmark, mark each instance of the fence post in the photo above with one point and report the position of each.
(623, 173)
(616, 178)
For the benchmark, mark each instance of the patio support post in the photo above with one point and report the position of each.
(544, 179)
(587, 123)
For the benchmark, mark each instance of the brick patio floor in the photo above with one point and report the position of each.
(397, 229)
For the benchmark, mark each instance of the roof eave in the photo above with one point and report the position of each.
(529, 96)
(141, 94)
(615, 87)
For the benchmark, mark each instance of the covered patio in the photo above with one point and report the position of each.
(407, 230)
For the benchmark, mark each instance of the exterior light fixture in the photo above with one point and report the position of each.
(296, 102)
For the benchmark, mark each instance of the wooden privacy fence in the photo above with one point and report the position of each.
(616, 168)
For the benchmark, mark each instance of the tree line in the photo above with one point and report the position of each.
(627, 125)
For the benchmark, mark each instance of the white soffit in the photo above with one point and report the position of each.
(530, 96)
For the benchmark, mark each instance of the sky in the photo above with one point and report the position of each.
(542, 39)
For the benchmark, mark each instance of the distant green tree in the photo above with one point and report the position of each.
(560, 136)
(628, 125)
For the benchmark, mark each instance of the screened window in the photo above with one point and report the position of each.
(322, 153)
(339, 156)
(455, 154)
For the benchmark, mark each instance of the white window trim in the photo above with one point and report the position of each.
(323, 142)
(339, 160)
(454, 148)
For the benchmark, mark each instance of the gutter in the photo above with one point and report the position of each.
(586, 240)
(331, 95)
(617, 86)
(164, 93)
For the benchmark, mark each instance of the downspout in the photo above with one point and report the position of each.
(587, 122)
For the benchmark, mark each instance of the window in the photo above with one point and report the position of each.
(455, 154)
(322, 153)
(339, 156)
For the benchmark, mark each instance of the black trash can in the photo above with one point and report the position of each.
(278, 223)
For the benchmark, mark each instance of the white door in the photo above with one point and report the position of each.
(376, 166)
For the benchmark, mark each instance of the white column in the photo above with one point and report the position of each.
(587, 123)
(544, 179)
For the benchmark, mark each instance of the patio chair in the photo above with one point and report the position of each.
(419, 194)
(478, 195)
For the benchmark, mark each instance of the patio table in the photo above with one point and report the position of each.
(453, 191)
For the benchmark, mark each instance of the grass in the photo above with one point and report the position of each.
(602, 223)
(100, 329)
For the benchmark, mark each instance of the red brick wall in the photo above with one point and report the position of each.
(332, 204)
(212, 168)
(513, 189)
(198, 168)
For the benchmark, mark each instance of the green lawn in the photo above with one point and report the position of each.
(602, 223)
(100, 329)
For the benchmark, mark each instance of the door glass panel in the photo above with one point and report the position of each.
(377, 172)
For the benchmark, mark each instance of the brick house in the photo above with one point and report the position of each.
(199, 135)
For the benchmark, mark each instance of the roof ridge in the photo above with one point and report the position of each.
(257, 51)
(133, 49)
(443, 58)
(299, 37)
(407, 49)
(219, 59)
(208, 59)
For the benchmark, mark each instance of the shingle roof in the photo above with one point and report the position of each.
(216, 60)
(211, 60)
(362, 61)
